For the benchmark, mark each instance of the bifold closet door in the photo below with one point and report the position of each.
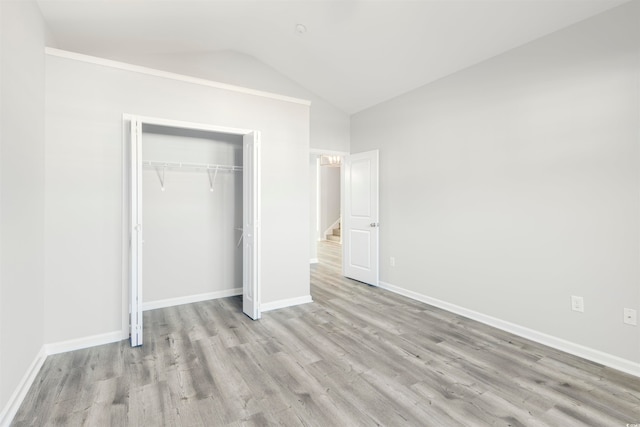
(251, 217)
(250, 208)
(135, 280)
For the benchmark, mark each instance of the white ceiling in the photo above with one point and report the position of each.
(354, 54)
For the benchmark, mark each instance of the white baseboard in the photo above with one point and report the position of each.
(588, 353)
(283, 303)
(85, 342)
(170, 302)
(313, 261)
(12, 406)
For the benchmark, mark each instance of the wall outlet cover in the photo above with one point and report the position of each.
(630, 316)
(577, 303)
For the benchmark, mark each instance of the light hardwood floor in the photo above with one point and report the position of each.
(356, 356)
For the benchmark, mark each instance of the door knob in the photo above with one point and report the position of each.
(374, 224)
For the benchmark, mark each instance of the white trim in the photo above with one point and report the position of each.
(313, 261)
(11, 408)
(588, 353)
(180, 124)
(126, 229)
(284, 303)
(84, 342)
(318, 199)
(170, 302)
(168, 75)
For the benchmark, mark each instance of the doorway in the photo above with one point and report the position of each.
(330, 206)
(359, 220)
(326, 199)
(250, 231)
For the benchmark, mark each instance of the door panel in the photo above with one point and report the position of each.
(360, 244)
(135, 287)
(250, 208)
(360, 188)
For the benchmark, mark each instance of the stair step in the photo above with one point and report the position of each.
(333, 238)
(337, 232)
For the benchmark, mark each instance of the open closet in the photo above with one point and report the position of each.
(194, 210)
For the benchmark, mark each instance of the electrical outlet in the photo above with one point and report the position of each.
(577, 303)
(392, 261)
(630, 316)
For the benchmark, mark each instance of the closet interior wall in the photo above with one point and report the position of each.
(192, 227)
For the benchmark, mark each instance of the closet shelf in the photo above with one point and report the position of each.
(192, 166)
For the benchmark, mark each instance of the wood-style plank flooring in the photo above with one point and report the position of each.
(357, 356)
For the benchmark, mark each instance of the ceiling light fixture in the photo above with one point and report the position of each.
(300, 29)
(331, 161)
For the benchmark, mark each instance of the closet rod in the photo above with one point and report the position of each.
(195, 166)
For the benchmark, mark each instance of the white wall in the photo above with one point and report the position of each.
(84, 223)
(190, 232)
(329, 197)
(329, 126)
(21, 192)
(512, 185)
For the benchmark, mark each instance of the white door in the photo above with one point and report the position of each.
(135, 221)
(251, 222)
(360, 228)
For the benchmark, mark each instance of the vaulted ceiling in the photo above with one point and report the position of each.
(354, 54)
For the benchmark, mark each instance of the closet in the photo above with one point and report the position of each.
(193, 215)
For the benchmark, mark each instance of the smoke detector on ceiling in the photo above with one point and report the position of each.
(300, 29)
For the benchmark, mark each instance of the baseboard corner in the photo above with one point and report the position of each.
(190, 299)
(11, 408)
(84, 342)
(284, 303)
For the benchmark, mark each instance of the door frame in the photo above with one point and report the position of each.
(132, 217)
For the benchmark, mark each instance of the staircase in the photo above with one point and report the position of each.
(336, 233)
